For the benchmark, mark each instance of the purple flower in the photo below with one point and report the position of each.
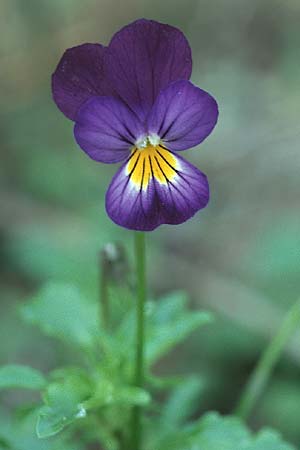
(132, 101)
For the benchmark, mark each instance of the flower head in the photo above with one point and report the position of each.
(132, 102)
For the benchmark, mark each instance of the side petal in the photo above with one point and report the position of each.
(154, 189)
(79, 76)
(143, 58)
(106, 129)
(183, 115)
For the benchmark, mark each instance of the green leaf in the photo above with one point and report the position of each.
(170, 323)
(180, 405)
(73, 396)
(225, 433)
(61, 311)
(17, 376)
(133, 396)
(214, 432)
(18, 433)
(63, 405)
(183, 401)
(111, 392)
(269, 440)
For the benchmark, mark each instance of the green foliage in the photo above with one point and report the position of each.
(214, 432)
(17, 376)
(61, 311)
(63, 404)
(99, 395)
(224, 433)
(53, 220)
(92, 402)
(183, 402)
(169, 323)
(18, 433)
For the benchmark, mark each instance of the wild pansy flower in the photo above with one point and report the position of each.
(132, 101)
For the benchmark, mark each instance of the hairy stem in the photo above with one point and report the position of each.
(263, 370)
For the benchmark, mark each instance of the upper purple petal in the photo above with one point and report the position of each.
(79, 76)
(183, 115)
(106, 129)
(143, 58)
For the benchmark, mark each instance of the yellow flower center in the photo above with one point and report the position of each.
(151, 161)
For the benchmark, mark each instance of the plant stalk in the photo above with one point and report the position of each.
(264, 368)
(140, 256)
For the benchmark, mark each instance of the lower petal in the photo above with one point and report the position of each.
(154, 188)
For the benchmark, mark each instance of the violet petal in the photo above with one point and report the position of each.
(106, 129)
(79, 76)
(146, 192)
(143, 58)
(183, 115)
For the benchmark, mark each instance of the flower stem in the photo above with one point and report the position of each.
(263, 370)
(140, 335)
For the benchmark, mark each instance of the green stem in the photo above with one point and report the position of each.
(140, 335)
(263, 370)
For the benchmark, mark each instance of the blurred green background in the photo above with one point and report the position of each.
(239, 258)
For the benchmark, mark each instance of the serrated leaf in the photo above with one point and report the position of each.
(110, 392)
(269, 440)
(61, 311)
(18, 376)
(63, 405)
(18, 433)
(222, 433)
(214, 432)
(170, 322)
